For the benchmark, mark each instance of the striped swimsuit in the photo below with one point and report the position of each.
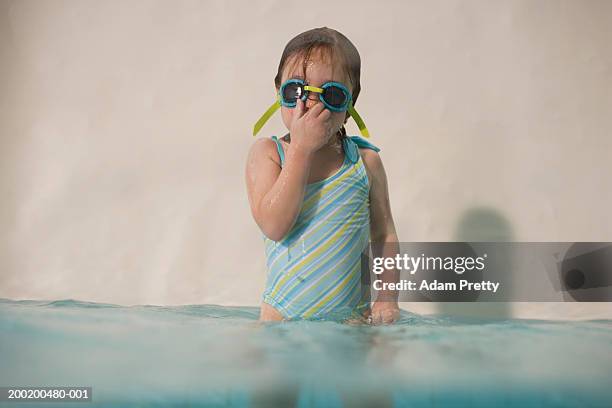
(315, 271)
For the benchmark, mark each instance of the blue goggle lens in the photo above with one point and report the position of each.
(291, 92)
(332, 95)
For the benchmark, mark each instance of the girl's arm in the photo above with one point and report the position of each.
(382, 235)
(275, 194)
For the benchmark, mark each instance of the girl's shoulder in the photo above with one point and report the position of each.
(265, 147)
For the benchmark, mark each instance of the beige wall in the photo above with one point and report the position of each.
(124, 128)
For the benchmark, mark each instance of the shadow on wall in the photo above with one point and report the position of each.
(481, 224)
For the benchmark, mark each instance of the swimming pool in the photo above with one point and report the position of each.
(205, 355)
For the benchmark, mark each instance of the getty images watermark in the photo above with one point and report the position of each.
(490, 271)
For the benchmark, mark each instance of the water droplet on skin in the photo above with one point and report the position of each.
(278, 192)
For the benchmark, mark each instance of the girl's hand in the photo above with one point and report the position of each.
(311, 130)
(384, 313)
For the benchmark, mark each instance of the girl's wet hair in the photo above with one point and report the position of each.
(330, 43)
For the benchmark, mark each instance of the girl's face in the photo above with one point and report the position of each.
(319, 70)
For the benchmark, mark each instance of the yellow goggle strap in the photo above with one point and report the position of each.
(267, 114)
(277, 104)
(313, 89)
(362, 127)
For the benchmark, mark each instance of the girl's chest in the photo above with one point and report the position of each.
(323, 169)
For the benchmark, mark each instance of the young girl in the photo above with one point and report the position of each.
(317, 195)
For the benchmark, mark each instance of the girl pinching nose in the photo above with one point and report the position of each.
(319, 196)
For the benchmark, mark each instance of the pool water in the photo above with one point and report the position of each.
(209, 356)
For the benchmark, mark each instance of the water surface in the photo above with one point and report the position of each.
(209, 356)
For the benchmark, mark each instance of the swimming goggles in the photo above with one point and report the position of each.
(334, 96)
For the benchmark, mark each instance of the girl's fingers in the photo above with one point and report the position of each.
(316, 110)
(377, 319)
(326, 114)
(388, 317)
(299, 108)
(383, 317)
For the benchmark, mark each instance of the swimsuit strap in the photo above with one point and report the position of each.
(361, 142)
(352, 145)
(280, 150)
